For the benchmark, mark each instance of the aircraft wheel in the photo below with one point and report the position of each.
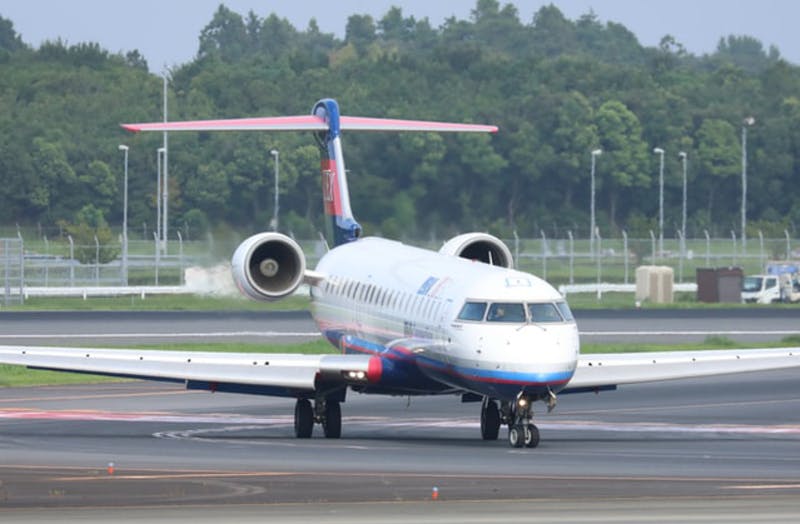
(516, 437)
(332, 423)
(303, 418)
(531, 436)
(490, 421)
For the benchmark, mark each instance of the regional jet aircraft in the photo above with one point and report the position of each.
(406, 321)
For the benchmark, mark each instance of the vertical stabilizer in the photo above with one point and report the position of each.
(341, 227)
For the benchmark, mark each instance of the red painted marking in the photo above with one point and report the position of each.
(374, 370)
(330, 188)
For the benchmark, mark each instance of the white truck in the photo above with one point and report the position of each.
(781, 283)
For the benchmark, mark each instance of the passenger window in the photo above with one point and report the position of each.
(772, 282)
(565, 311)
(506, 312)
(472, 311)
(543, 313)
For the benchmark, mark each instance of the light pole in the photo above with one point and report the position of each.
(275, 153)
(660, 152)
(124, 149)
(595, 154)
(682, 155)
(165, 193)
(749, 121)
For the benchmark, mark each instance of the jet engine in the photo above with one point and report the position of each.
(268, 266)
(482, 247)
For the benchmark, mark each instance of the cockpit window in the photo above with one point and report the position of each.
(543, 313)
(506, 312)
(565, 311)
(472, 311)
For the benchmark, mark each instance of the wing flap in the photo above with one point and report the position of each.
(290, 371)
(603, 370)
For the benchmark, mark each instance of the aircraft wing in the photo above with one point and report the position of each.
(279, 374)
(605, 371)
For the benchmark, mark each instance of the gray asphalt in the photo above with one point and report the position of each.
(715, 449)
(751, 325)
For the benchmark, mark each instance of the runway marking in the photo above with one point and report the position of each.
(689, 332)
(649, 409)
(258, 422)
(193, 334)
(101, 396)
(300, 334)
(765, 486)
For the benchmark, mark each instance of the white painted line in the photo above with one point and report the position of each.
(695, 332)
(218, 334)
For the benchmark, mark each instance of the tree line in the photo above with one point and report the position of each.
(557, 88)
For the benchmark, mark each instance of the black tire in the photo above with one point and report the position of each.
(531, 436)
(332, 423)
(490, 421)
(303, 418)
(516, 436)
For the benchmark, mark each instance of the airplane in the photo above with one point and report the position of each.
(406, 321)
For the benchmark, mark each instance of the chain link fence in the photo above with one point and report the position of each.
(43, 263)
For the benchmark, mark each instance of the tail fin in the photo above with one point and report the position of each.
(327, 124)
(341, 227)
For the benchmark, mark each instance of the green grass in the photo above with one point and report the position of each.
(18, 376)
(158, 303)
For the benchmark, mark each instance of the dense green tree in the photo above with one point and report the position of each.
(557, 88)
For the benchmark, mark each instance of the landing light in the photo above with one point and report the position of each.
(522, 402)
(356, 375)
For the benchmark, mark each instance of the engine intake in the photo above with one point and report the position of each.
(268, 266)
(482, 247)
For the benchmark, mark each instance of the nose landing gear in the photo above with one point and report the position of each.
(518, 415)
(521, 429)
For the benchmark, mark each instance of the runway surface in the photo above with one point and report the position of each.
(698, 450)
(752, 325)
(709, 445)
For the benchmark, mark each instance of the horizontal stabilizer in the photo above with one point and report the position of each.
(309, 123)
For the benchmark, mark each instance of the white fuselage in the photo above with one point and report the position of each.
(403, 304)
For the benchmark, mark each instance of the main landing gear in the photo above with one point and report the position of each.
(326, 412)
(518, 415)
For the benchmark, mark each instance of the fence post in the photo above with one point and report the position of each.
(762, 259)
(516, 250)
(180, 257)
(6, 263)
(653, 242)
(96, 261)
(158, 254)
(733, 236)
(571, 257)
(21, 265)
(599, 263)
(708, 248)
(71, 261)
(788, 245)
(46, 261)
(544, 255)
(680, 257)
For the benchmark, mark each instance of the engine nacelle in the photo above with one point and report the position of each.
(482, 247)
(268, 266)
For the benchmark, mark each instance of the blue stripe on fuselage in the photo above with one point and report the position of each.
(401, 364)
